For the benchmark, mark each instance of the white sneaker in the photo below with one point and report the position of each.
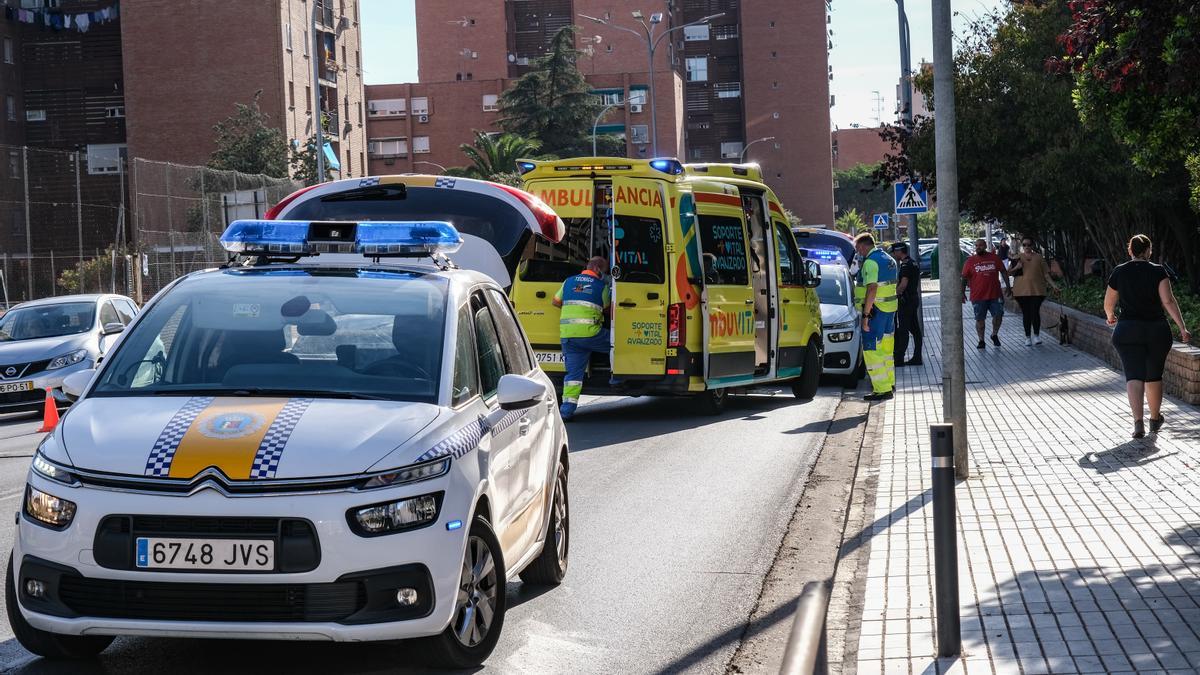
(1037, 339)
(1028, 342)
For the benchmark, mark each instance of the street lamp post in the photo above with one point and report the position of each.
(596, 124)
(906, 111)
(751, 144)
(648, 36)
(431, 164)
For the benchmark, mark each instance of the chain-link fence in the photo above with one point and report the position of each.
(89, 221)
(180, 211)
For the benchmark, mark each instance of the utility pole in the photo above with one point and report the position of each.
(319, 139)
(954, 388)
(906, 118)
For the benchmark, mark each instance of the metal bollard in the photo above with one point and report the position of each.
(945, 540)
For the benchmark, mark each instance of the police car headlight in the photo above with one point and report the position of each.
(395, 516)
(47, 509)
(841, 337)
(67, 359)
(47, 469)
(409, 474)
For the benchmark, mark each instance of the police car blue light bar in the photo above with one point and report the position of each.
(296, 237)
(824, 254)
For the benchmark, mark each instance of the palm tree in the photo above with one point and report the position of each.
(494, 156)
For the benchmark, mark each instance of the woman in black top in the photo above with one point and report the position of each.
(1142, 336)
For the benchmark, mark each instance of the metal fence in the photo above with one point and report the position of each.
(92, 221)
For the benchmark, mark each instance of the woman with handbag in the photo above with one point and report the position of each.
(1142, 336)
(1031, 277)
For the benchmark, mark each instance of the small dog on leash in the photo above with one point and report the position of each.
(1064, 330)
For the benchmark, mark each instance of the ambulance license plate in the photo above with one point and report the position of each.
(206, 554)
(549, 357)
(14, 387)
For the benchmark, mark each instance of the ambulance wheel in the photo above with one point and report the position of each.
(479, 608)
(44, 643)
(805, 386)
(713, 401)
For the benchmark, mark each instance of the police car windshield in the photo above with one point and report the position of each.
(280, 331)
(471, 213)
(43, 321)
(835, 286)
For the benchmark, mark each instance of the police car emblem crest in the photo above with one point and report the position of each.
(232, 425)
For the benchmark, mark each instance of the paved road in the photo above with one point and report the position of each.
(675, 521)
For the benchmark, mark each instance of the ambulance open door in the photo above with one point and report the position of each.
(640, 280)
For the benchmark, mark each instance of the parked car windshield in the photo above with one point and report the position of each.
(835, 286)
(325, 333)
(43, 321)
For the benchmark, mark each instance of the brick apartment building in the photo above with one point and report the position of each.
(761, 70)
(858, 145)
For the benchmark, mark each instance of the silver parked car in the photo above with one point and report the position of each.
(43, 341)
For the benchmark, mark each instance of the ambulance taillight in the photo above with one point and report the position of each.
(676, 326)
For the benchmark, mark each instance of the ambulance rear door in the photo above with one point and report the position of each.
(640, 279)
(728, 298)
(545, 265)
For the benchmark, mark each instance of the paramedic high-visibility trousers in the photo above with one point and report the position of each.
(879, 344)
(576, 353)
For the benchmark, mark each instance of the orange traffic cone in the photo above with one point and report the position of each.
(50, 416)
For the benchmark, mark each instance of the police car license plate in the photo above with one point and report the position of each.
(13, 387)
(205, 554)
(549, 357)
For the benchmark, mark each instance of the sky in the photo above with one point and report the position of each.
(865, 55)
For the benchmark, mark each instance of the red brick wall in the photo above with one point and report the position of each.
(440, 42)
(786, 93)
(858, 146)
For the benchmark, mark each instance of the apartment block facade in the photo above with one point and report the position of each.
(758, 70)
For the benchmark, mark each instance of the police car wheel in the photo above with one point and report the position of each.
(479, 607)
(44, 643)
(713, 401)
(549, 568)
(850, 380)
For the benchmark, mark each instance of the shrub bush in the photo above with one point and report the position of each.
(1087, 295)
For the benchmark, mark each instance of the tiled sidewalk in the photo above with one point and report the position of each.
(1079, 549)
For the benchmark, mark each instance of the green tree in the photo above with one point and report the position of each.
(851, 222)
(1026, 159)
(553, 103)
(858, 189)
(794, 220)
(494, 156)
(304, 163)
(247, 142)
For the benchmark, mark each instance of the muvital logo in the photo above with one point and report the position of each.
(731, 323)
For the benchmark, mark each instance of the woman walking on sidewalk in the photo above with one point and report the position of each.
(1142, 336)
(1031, 277)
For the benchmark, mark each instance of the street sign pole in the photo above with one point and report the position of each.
(954, 391)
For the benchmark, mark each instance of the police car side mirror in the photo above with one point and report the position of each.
(517, 392)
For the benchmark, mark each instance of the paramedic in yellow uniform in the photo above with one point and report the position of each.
(875, 296)
(584, 301)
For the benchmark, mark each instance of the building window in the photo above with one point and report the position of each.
(360, 114)
(308, 99)
(10, 108)
(697, 69)
(362, 160)
(420, 106)
(114, 111)
(358, 59)
(304, 47)
(637, 96)
(8, 50)
(291, 95)
(695, 33)
(387, 147)
(14, 164)
(726, 32)
(731, 150)
(420, 145)
(387, 107)
(639, 134)
(287, 36)
(491, 102)
(349, 164)
(728, 89)
(105, 157)
(35, 115)
(611, 97)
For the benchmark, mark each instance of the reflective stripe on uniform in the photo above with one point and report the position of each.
(571, 391)
(589, 322)
(582, 303)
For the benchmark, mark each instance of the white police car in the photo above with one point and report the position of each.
(314, 449)
(840, 324)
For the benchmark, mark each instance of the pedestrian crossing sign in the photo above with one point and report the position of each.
(880, 221)
(911, 198)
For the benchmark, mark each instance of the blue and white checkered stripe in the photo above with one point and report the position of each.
(508, 420)
(163, 451)
(266, 462)
(444, 183)
(368, 182)
(458, 443)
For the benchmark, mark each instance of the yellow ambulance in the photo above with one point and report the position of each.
(710, 293)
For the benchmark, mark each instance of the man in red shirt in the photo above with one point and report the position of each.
(982, 273)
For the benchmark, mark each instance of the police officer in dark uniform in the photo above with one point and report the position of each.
(908, 317)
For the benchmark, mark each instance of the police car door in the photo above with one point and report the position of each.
(728, 300)
(640, 289)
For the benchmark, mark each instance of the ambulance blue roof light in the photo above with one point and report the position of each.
(295, 237)
(671, 166)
